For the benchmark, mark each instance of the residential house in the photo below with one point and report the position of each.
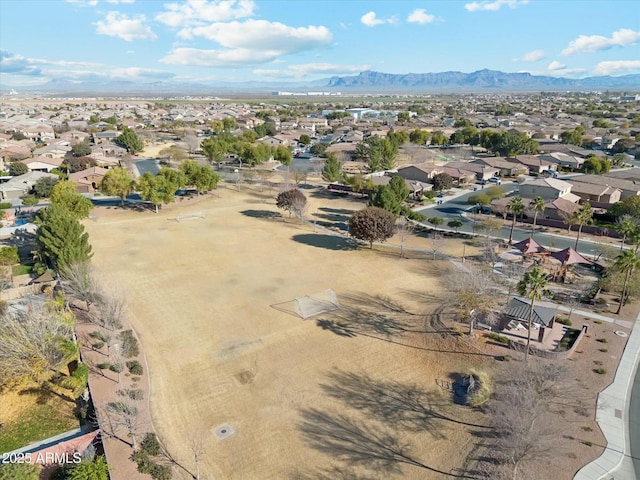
(422, 172)
(54, 150)
(602, 196)
(608, 141)
(534, 163)
(88, 180)
(564, 160)
(628, 188)
(548, 189)
(460, 176)
(42, 164)
(104, 137)
(482, 171)
(38, 133)
(560, 209)
(21, 185)
(507, 169)
(416, 189)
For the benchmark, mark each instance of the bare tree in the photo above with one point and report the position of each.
(80, 281)
(112, 309)
(435, 243)
(124, 416)
(197, 450)
(404, 228)
(193, 143)
(471, 292)
(299, 176)
(525, 395)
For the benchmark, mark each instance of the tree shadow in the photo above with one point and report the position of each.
(339, 328)
(330, 242)
(339, 211)
(263, 214)
(341, 226)
(333, 217)
(334, 473)
(408, 406)
(372, 447)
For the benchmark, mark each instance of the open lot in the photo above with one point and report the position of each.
(352, 394)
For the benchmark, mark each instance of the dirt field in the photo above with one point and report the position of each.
(343, 395)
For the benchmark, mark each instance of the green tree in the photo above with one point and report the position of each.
(117, 182)
(479, 199)
(436, 222)
(61, 238)
(537, 206)
(96, 469)
(319, 148)
(372, 224)
(572, 137)
(81, 149)
(9, 256)
(283, 155)
(156, 189)
(175, 177)
(582, 217)
(419, 137)
(129, 140)
(66, 195)
(203, 177)
(438, 138)
(332, 170)
(516, 207)
(17, 168)
(19, 471)
(403, 117)
(628, 206)
(29, 200)
(44, 186)
(399, 188)
(627, 262)
(455, 224)
(533, 286)
(214, 149)
(592, 165)
(305, 139)
(628, 227)
(77, 164)
(229, 124)
(442, 181)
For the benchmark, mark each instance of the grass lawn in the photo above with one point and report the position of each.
(21, 269)
(35, 417)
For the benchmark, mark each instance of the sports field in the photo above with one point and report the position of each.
(351, 394)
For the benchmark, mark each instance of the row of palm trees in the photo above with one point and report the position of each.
(516, 206)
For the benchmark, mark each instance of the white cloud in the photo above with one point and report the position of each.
(83, 3)
(533, 56)
(249, 42)
(615, 66)
(201, 12)
(121, 1)
(304, 70)
(493, 6)
(119, 25)
(555, 65)
(594, 43)
(371, 20)
(419, 15)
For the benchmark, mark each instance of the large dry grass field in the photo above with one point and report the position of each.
(351, 394)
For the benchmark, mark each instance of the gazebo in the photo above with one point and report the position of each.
(567, 257)
(530, 247)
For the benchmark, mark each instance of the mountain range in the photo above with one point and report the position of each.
(364, 82)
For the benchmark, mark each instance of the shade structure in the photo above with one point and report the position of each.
(569, 256)
(529, 246)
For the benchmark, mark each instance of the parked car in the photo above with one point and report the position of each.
(495, 180)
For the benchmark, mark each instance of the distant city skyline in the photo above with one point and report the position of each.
(277, 40)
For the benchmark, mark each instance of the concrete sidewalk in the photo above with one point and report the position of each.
(612, 414)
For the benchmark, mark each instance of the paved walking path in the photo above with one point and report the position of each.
(612, 414)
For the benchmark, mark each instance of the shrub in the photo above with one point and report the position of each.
(19, 471)
(587, 443)
(600, 371)
(104, 366)
(142, 460)
(564, 321)
(160, 472)
(29, 200)
(135, 394)
(98, 345)
(587, 429)
(150, 445)
(5, 205)
(482, 394)
(497, 338)
(130, 347)
(598, 322)
(134, 367)
(602, 340)
(603, 350)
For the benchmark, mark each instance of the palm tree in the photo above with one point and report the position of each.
(533, 285)
(516, 207)
(582, 217)
(626, 263)
(627, 228)
(537, 206)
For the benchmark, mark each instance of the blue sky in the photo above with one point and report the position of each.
(291, 40)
